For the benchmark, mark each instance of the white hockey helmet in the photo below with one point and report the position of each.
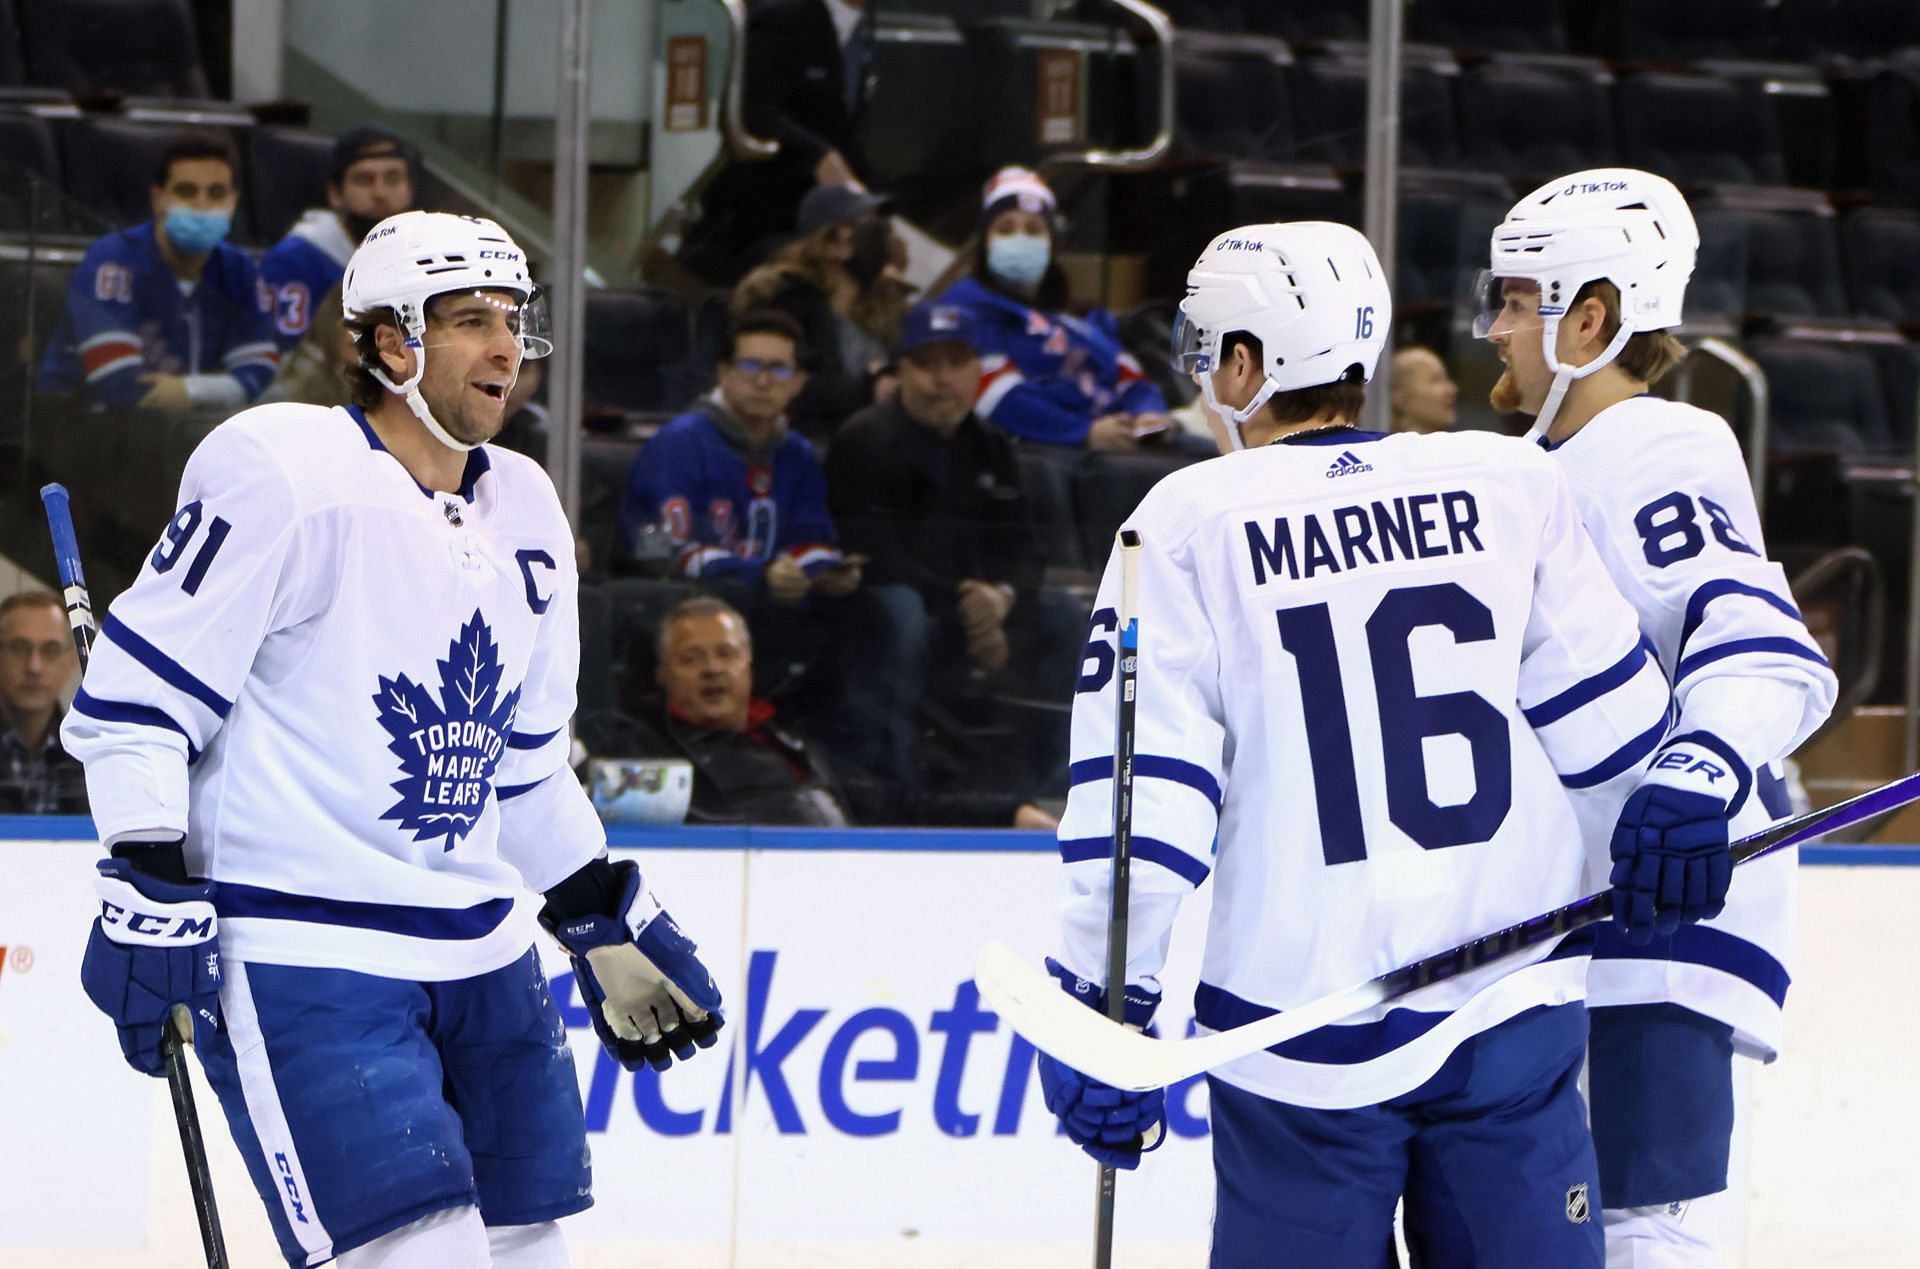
(1312, 292)
(1616, 224)
(410, 258)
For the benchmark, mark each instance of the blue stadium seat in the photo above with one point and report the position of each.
(30, 190)
(1330, 114)
(1825, 398)
(129, 48)
(1231, 96)
(1793, 263)
(1686, 30)
(109, 165)
(1881, 247)
(1488, 26)
(1698, 129)
(636, 352)
(1849, 28)
(1892, 140)
(287, 172)
(1308, 21)
(1445, 222)
(1531, 125)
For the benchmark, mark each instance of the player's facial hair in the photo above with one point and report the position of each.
(1505, 394)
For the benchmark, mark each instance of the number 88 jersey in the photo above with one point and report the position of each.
(1371, 668)
(1663, 490)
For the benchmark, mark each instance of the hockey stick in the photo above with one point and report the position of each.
(73, 583)
(1122, 879)
(1032, 1002)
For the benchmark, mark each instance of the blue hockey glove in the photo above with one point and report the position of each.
(650, 998)
(1671, 863)
(154, 945)
(1114, 1126)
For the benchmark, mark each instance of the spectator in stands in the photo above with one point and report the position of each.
(750, 768)
(838, 281)
(167, 315)
(314, 371)
(373, 178)
(804, 88)
(1423, 392)
(1047, 376)
(747, 769)
(933, 497)
(37, 660)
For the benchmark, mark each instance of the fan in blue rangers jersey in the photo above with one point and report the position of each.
(166, 315)
(325, 734)
(1046, 375)
(372, 179)
(1663, 490)
(1370, 669)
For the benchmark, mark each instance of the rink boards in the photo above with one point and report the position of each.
(868, 1098)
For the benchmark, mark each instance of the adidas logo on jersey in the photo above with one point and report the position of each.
(1347, 465)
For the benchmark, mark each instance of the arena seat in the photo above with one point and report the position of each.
(1445, 223)
(1792, 262)
(30, 190)
(636, 350)
(1849, 28)
(1698, 129)
(1531, 125)
(1665, 31)
(287, 171)
(109, 166)
(1825, 398)
(1308, 21)
(1892, 141)
(1206, 15)
(1880, 247)
(1330, 114)
(125, 47)
(922, 103)
(1488, 26)
(1106, 489)
(1231, 96)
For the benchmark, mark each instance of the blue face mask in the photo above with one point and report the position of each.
(195, 232)
(1021, 259)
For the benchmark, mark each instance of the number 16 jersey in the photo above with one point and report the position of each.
(1370, 668)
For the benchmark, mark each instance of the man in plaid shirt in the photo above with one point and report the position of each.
(37, 776)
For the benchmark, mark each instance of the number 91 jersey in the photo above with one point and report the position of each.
(350, 694)
(1370, 669)
(1663, 489)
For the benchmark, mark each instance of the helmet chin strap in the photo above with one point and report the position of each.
(410, 391)
(1232, 419)
(1563, 376)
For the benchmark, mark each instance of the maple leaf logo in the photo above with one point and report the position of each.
(449, 749)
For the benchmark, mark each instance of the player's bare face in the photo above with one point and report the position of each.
(1515, 336)
(706, 670)
(473, 356)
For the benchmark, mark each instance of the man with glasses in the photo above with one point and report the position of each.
(740, 496)
(36, 662)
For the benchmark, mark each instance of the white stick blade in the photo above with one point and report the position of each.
(1055, 1023)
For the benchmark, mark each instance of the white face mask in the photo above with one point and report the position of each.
(1020, 259)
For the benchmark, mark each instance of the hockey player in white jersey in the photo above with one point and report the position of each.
(325, 734)
(1370, 666)
(1587, 279)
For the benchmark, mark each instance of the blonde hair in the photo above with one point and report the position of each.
(877, 309)
(1649, 355)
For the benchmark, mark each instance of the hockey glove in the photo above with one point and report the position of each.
(1113, 1125)
(154, 945)
(650, 998)
(1671, 864)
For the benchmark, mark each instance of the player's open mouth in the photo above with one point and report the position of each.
(498, 391)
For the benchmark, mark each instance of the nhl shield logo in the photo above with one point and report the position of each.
(1577, 1209)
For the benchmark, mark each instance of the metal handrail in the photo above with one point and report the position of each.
(1759, 430)
(744, 144)
(1156, 149)
(1835, 565)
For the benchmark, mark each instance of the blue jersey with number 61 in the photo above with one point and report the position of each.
(1663, 489)
(351, 694)
(1371, 668)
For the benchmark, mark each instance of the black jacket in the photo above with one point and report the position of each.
(929, 512)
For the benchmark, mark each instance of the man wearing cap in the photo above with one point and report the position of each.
(933, 497)
(372, 179)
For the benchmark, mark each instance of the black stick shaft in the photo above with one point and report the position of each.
(1126, 679)
(73, 582)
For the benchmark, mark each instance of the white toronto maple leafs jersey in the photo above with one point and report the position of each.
(1663, 491)
(1369, 668)
(351, 694)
